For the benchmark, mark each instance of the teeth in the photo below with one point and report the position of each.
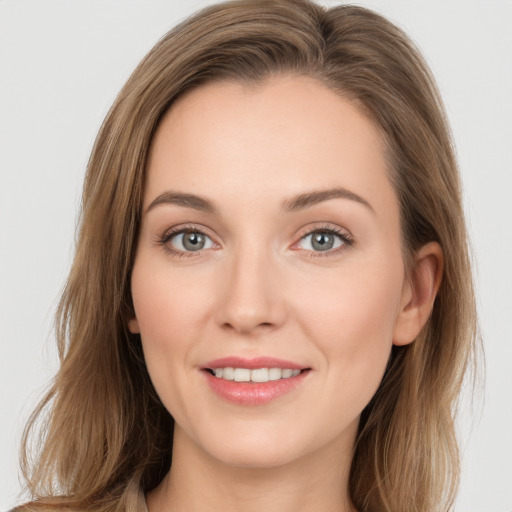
(242, 375)
(256, 375)
(274, 373)
(259, 375)
(228, 373)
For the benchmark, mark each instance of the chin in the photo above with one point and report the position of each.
(259, 455)
(250, 445)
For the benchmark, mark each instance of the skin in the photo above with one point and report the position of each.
(260, 288)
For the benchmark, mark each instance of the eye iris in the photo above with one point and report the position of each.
(322, 241)
(193, 241)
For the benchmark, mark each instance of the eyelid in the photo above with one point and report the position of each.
(185, 228)
(345, 236)
(164, 239)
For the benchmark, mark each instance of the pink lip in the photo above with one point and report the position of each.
(253, 393)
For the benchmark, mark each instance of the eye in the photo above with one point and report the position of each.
(323, 240)
(188, 241)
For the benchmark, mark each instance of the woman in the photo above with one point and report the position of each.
(271, 285)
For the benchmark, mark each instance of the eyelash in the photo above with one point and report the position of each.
(167, 237)
(345, 237)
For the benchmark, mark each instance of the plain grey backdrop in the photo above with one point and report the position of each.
(61, 66)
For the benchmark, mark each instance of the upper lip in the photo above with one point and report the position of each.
(257, 362)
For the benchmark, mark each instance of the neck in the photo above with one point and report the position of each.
(198, 482)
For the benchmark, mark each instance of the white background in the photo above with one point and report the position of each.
(61, 65)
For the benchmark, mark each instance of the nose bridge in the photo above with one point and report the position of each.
(252, 298)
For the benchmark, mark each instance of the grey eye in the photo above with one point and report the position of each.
(191, 241)
(321, 241)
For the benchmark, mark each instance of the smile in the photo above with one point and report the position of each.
(254, 382)
(255, 374)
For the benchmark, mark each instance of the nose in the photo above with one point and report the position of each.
(251, 299)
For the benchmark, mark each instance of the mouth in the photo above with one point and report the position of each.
(252, 382)
(259, 375)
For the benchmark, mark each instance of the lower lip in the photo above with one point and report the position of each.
(253, 393)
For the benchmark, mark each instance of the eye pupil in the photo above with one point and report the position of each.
(322, 241)
(193, 241)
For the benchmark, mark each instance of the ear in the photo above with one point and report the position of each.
(419, 293)
(133, 325)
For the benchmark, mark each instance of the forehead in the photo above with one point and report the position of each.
(225, 140)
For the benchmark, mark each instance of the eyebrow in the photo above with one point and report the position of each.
(308, 199)
(186, 200)
(296, 203)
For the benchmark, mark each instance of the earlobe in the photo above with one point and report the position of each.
(419, 293)
(133, 325)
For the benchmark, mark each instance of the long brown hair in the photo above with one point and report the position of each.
(106, 437)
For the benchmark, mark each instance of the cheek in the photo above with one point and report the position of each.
(358, 307)
(167, 304)
(168, 311)
(351, 321)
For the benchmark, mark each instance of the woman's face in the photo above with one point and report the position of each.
(270, 241)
